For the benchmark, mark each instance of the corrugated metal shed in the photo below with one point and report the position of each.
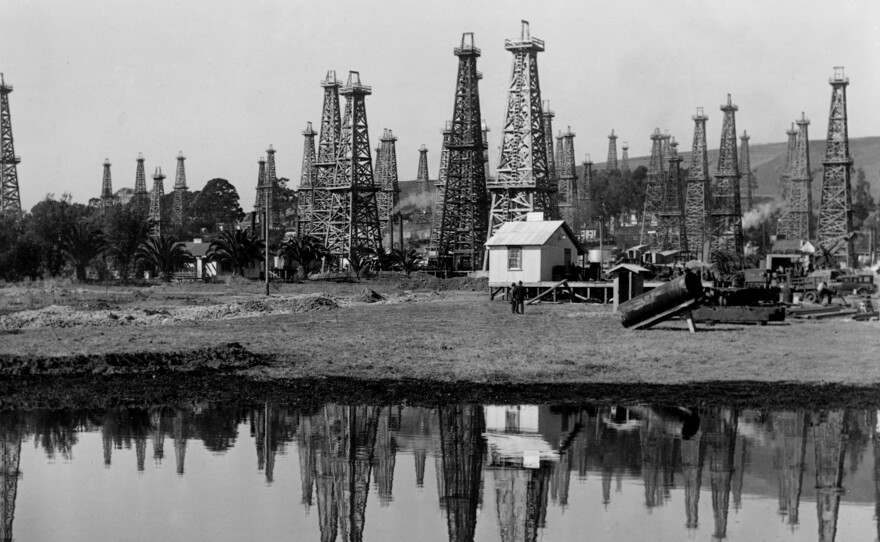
(534, 233)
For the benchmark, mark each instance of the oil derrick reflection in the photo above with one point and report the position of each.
(522, 464)
(10, 454)
(270, 427)
(788, 460)
(305, 445)
(693, 455)
(158, 435)
(461, 456)
(720, 426)
(419, 422)
(122, 428)
(350, 440)
(875, 437)
(657, 436)
(180, 432)
(830, 438)
(385, 454)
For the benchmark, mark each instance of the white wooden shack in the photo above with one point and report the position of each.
(529, 250)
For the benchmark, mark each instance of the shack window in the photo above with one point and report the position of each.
(567, 257)
(514, 257)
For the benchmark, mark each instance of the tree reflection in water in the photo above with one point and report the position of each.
(527, 455)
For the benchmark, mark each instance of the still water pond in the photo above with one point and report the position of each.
(457, 473)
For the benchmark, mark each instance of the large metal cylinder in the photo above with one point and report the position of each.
(661, 299)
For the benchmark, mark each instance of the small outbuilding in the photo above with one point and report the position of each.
(528, 250)
(628, 282)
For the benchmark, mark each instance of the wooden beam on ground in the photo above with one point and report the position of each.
(553, 289)
(666, 315)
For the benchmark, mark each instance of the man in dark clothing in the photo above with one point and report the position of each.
(520, 298)
(513, 294)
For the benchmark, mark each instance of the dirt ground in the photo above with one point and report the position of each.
(417, 340)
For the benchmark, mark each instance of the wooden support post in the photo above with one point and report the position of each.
(689, 317)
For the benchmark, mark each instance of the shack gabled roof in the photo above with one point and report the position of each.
(534, 233)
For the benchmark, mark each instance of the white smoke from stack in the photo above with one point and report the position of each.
(420, 200)
(757, 216)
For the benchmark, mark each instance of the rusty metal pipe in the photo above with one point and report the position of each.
(658, 300)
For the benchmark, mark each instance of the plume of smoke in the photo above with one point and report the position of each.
(757, 216)
(420, 200)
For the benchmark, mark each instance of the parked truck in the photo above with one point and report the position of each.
(836, 281)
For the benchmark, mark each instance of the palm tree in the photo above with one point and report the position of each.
(237, 248)
(80, 245)
(306, 251)
(408, 258)
(165, 254)
(361, 259)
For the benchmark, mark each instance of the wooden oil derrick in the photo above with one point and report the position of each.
(155, 216)
(830, 437)
(422, 175)
(10, 459)
(653, 193)
(271, 190)
(586, 213)
(261, 195)
(385, 454)
(696, 193)
(568, 189)
(388, 198)
(611, 163)
(671, 215)
(835, 206)
(141, 196)
(106, 186)
(552, 157)
(745, 168)
(325, 161)
(179, 204)
(353, 223)
(624, 157)
(10, 200)
(307, 182)
(523, 184)
(784, 225)
(801, 189)
(726, 213)
(463, 223)
(440, 193)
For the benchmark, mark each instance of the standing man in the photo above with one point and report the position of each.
(513, 297)
(520, 298)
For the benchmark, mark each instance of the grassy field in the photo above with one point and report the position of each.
(419, 330)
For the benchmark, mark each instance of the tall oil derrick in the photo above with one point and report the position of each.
(177, 211)
(388, 198)
(696, 193)
(462, 448)
(745, 168)
(788, 461)
(325, 162)
(720, 434)
(155, 216)
(465, 210)
(611, 163)
(726, 213)
(653, 192)
(271, 188)
(568, 190)
(141, 196)
(835, 206)
(671, 214)
(10, 200)
(440, 191)
(783, 225)
(10, 459)
(552, 158)
(586, 213)
(353, 222)
(693, 455)
(523, 184)
(800, 186)
(486, 149)
(307, 180)
(624, 158)
(422, 176)
(830, 436)
(261, 194)
(106, 186)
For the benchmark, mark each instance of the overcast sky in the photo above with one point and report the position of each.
(221, 80)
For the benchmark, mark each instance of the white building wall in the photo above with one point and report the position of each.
(537, 261)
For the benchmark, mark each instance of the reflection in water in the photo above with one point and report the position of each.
(525, 458)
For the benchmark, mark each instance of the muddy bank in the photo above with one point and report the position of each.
(223, 359)
(182, 390)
